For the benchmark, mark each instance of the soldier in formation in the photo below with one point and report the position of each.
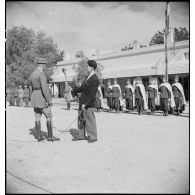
(26, 96)
(179, 96)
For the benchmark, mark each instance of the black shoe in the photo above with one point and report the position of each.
(40, 139)
(92, 140)
(53, 139)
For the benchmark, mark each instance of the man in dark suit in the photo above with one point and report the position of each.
(41, 100)
(88, 91)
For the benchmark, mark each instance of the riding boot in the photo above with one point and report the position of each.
(50, 132)
(38, 128)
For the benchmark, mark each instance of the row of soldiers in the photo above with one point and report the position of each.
(169, 99)
(19, 96)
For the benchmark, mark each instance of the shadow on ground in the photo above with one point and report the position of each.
(33, 132)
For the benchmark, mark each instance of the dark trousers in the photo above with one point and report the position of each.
(129, 103)
(178, 104)
(151, 104)
(164, 105)
(139, 104)
(109, 102)
(116, 103)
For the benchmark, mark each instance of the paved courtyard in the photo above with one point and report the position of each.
(134, 154)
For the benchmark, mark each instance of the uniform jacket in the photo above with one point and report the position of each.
(116, 91)
(152, 93)
(128, 92)
(26, 92)
(109, 91)
(88, 91)
(138, 94)
(166, 92)
(40, 90)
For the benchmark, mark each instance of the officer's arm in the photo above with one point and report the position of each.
(45, 88)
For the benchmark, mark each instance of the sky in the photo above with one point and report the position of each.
(99, 26)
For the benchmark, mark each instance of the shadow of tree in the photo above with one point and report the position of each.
(33, 132)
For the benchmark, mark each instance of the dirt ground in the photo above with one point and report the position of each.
(134, 154)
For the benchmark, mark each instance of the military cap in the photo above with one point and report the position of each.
(41, 61)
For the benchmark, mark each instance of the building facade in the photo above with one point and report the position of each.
(144, 62)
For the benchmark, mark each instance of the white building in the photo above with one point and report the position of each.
(143, 62)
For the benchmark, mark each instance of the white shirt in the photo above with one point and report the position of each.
(91, 74)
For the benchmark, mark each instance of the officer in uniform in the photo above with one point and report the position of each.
(16, 96)
(20, 95)
(41, 100)
(179, 96)
(129, 90)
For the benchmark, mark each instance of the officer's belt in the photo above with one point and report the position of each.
(36, 89)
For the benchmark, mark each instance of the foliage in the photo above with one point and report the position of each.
(23, 47)
(181, 34)
(81, 69)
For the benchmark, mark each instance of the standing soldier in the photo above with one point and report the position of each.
(109, 95)
(16, 96)
(20, 95)
(166, 96)
(179, 96)
(67, 94)
(98, 104)
(152, 94)
(116, 96)
(129, 93)
(41, 100)
(26, 96)
(140, 96)
(12, 99)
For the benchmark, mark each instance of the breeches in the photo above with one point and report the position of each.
(46, 111)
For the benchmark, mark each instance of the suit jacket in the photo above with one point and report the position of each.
(40, 90)
(88, 91)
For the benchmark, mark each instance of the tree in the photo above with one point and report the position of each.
(23, 47)
(181, 34)
(81, 69)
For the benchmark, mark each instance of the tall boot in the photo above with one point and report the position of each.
(50, 132)
(38, 128)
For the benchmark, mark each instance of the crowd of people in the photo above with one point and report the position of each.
(165, 97)
(17, 96)
(39, 96)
